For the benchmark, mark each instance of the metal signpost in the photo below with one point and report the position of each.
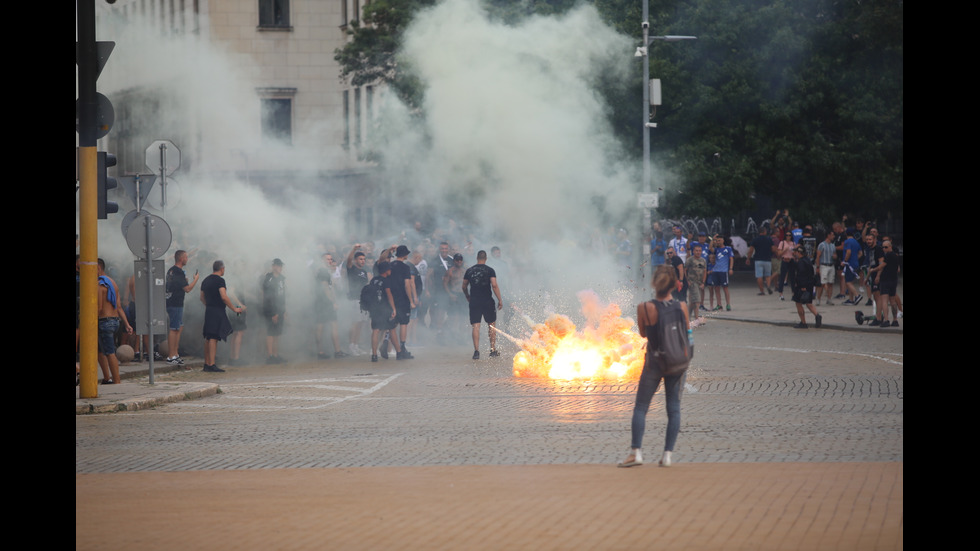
(149, 238)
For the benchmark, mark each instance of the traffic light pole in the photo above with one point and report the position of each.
(87, 201)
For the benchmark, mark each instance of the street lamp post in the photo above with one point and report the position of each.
(643, 52)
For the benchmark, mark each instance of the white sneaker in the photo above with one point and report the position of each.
(355, 350)
(901, 314)
(635, 458)
(665, 460)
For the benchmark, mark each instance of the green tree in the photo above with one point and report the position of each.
(800, 101)
(797, 100)
(371, 56)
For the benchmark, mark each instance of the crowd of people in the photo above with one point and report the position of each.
(851, 256)
(444, 284)
(434, 292)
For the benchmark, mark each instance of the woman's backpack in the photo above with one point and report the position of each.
(674, 350)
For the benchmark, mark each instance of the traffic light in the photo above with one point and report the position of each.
(106, 183)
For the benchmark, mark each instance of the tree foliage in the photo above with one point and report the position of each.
(371, 56)
(799, 101)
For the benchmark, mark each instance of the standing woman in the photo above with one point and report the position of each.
(664, 281)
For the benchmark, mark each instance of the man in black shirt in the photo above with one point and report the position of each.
(482, 280)
(214, 295)
(357, 277)
(886, 276)
(803, 281)
(274, 309)
(176, 287)
(403, 293)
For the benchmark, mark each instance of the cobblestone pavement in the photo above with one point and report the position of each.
(791, 440)
(756, 393)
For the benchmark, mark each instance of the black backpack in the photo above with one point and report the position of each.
(674, 351)
(372, 296)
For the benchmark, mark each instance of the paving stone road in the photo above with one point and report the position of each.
(791, 440)
(755, 393)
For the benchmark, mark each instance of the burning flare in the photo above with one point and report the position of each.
(607, 348)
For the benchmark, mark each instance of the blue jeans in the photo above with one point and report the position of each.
(107, 335)
(673, 388)
(175, 314)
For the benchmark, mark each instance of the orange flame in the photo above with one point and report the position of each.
(607, 348)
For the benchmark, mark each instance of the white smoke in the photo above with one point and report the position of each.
(514, 134)
(513, 125)
(512, 142)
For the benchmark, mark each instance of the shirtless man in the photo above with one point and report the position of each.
(111, 313)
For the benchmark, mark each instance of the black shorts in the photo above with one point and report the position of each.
(889, 288)
(803, 296)
(238, 321)
(274, 328)
(485, 309)
(403, 313)
(383, 324)
(382, 320)
(325, 312)
(873, 287)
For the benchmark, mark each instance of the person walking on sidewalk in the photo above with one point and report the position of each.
(803, 282)
(647, 316)
(827, 264)
(761, 251)
(482, 281)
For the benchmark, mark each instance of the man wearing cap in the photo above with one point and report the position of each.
(383, 314)
(803, 283)
(482, 280)
(405, 298)
(274, 309)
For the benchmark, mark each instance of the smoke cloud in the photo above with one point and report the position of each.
(511, 148)
(513, 134)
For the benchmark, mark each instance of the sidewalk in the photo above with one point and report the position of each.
(725, 506)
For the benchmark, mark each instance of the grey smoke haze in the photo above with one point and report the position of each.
(514, 132)
(514, 137)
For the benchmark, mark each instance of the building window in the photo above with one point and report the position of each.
(273, 13)
(368, 109)
(357, 117)
(277, 114)
(346, 119)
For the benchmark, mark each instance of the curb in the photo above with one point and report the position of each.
(157, 394)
